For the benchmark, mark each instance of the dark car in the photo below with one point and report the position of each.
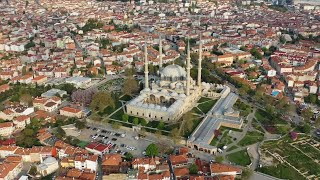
(114, 139)
(117, 134)
(103, 131)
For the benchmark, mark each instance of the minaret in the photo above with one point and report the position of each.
(188, 69)
(160, 52)
(146, 71)
(199, 63)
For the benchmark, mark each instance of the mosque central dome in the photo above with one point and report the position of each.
(173, 71)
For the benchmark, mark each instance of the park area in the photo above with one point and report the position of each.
(296, 160)
(251, 137)
(223, 137)
(240, 158)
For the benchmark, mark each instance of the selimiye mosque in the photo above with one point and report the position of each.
(174, 93)
(171, 95)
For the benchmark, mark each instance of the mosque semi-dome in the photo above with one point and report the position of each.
(173, 71)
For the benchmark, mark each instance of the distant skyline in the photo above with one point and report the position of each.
(314, 2)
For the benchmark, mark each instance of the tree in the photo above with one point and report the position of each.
(307, 114)
(83, 96)
(24, 70)
(60, 133)
(187, 123)
(28, 132)
(143, 122)
(246, 174)
(135, 121)
(26, 99)
(219, 159)
(130, 86)
(270, 109)
(101, 100)
(128, 156)
(256, 53)
(125, 117)
(129, 72)
(174, 134)
(80, 124)
(193, 169)
(306, 128)
(152, 150)
(160, 125)
(67, 87)
(311, 98)
(33, 170)
(317, 122)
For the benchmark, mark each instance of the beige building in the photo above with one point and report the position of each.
(6, 129)
(71, 112)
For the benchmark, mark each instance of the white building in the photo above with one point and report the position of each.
(48, 166)
(78, 81)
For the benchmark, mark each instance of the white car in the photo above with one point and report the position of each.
(94, 137)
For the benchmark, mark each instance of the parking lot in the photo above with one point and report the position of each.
(121, 140)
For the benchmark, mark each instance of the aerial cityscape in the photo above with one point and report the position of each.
(159, 89)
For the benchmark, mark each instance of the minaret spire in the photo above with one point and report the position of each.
(160, 51)
(146, 71)
(188, 69)
(199, 63)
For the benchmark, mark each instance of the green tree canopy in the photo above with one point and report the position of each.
(143, 122)
(80, 124)
(193, 169)
(130, 86)
(101, 100)
(160, 125)
(152, 150)
(135, 121)
(125, 117)
(307, 114)
(219, 159)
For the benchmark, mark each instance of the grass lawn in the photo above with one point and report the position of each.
(282, 171)
(214, 141)
(118, 114)
(228, 129)
(196, 110)
(206, 106)
(240, 158)
(251, 138)
(126, 98)
(225, 139)
(232, 148)
(203, 99)
(82, 144)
